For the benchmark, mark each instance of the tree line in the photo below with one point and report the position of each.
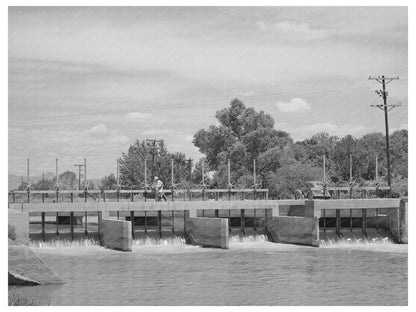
(243, 135)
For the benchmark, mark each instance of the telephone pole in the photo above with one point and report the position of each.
(386, 108)
(154, 150)
(79, 174)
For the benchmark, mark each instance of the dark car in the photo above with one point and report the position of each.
(316, 190)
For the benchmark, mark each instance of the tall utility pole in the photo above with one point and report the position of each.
(28, 178)
(154, 150)
(386, 108)
(118, 179)
(57, 177)
(79, 174)
(189, 170)
(85, 172)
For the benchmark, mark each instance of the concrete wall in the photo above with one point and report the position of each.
(20, 222)
(207, 232)
(294, 211)
(398, 222)
(294, 230)
(114, 234)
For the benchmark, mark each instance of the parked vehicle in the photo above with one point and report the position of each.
(316, 190)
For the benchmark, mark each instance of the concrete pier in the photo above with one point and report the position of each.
(206, 232)
(19, 222)
(114, 234)
(294, 230)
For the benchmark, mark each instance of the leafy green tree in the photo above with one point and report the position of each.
(399, 153)
(68, 181)
(109, 182)
(132, 165)
(47, 184)
(284, 182)
(368, 147)
(241, 136)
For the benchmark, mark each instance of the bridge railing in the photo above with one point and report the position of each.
(132, 195)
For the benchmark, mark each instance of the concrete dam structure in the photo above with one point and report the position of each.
(209, 223)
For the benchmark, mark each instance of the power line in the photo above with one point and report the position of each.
(386, 108)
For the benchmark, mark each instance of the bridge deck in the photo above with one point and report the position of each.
(205, 205)
(144, 206)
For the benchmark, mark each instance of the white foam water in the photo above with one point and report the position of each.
(355, 241)
(148, 241)
(82, 243)
(237, 239)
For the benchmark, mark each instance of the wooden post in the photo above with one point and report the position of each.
(216, 213)
(185, 218)
(351, 220)
(364, 222)
(28, 181)
(145, 222)
(86, 221)
(43, 197)
(132, 223)
(377, 220)
(242, 222)
(173, 221)
(229, 220)
(118, 215)
(71, 222)
(255, 220)
(43, 226)
(159, 218)
(217, 196)
(57, 230)
(14, 197)
(338, 222)
(324, 212)
(72, 197)
(104, 196)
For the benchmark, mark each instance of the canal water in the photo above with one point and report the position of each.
(252, 272)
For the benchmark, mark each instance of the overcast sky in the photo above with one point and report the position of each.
(86, 82)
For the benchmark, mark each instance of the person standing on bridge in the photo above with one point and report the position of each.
(158, 188)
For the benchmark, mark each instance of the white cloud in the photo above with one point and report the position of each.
(118, 139)
(293, 31)
(98, 129)
(138, 115)
(294, 105)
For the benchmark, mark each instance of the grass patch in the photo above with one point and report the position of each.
(20, 300)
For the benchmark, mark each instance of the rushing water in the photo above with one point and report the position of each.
(252, 272)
